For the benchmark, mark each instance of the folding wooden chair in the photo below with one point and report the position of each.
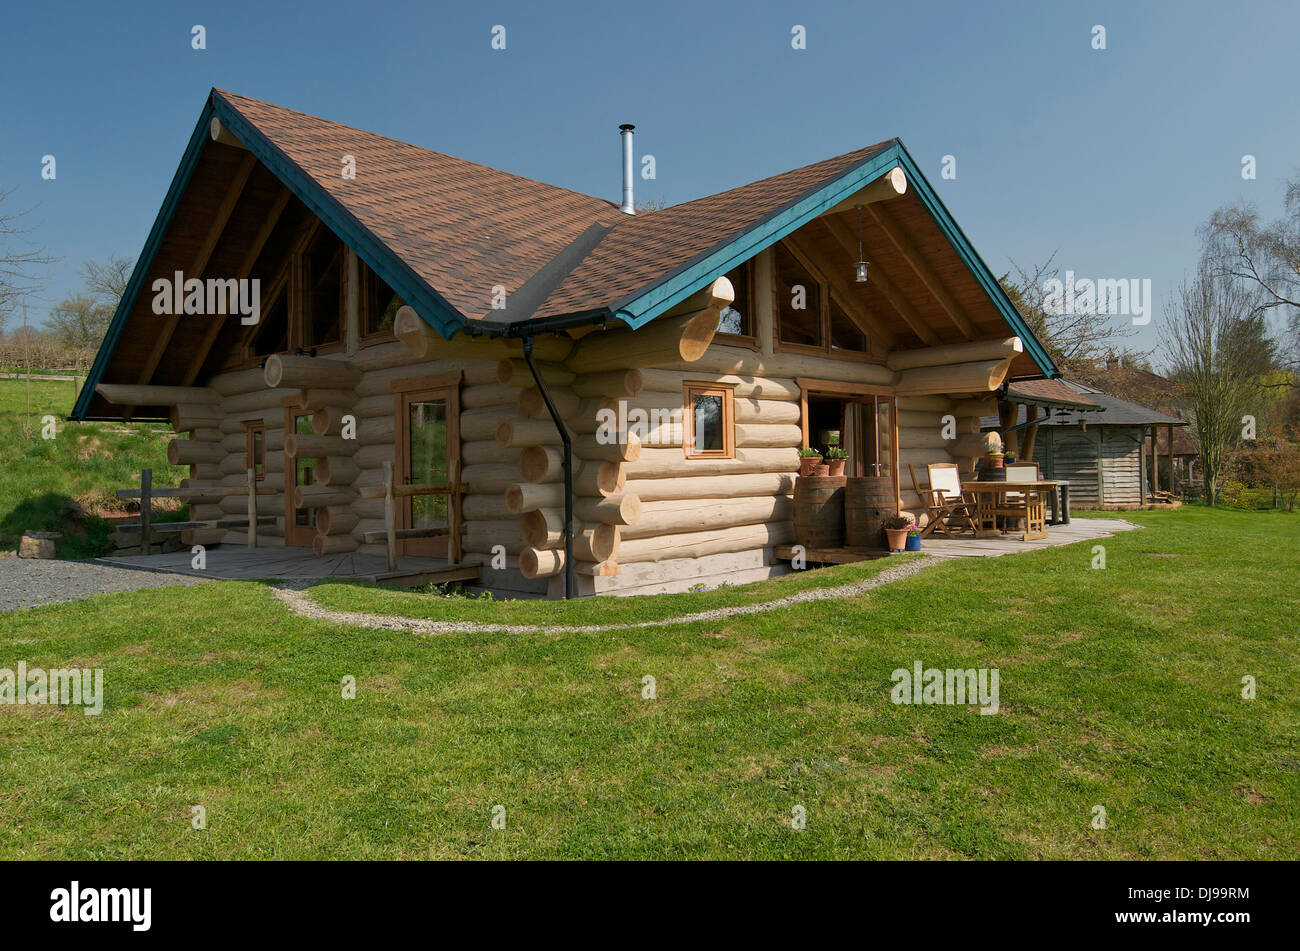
(1028, 504)
(944, 500)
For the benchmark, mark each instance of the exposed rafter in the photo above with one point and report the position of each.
(245, 267)
(199, 264)
(884, 283)
(912, 254)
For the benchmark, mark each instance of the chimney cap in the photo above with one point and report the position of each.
(626, 127)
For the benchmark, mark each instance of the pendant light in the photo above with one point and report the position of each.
(861, 266)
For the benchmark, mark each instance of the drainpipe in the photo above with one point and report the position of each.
(567, 464)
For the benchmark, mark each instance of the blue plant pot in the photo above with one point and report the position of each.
(913, 543)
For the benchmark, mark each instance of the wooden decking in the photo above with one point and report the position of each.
(234, 563)
(965, 546)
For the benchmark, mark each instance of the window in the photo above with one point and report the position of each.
(324, 280)
(379, 307)
(709, 416)
(737, 320)
(822, 326)
(255, 448)
(271, 335)
(798, 301)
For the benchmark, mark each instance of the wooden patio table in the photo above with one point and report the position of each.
(989, 499)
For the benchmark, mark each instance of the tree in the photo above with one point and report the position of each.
(17, 261)
(1211, 332)
(1076, 341)
(1265, 255)
(81, 320)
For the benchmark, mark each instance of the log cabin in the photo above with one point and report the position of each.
(470, 365)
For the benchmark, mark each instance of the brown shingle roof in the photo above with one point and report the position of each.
(464, 227)
(1043, 392)
(460, 226)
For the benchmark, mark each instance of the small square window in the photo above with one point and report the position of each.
(255, 448)
(709, 430)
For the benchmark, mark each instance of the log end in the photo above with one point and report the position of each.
(273, 372)
(538, 563)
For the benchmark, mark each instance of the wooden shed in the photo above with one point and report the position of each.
(576, 399)
(1091, 439)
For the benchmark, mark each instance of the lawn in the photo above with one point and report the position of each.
(1119, 687)
(47, 484)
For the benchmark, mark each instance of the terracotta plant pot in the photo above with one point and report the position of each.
(821, 471)
(807, 464)
(993, 460)
(897, 538)
(837, 466)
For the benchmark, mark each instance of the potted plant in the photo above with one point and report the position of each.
(809, 459)
(913, 537)
(993, 456)
(836, 457)
(896, 528)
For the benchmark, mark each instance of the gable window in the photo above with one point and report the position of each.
(271, 335)
(736, 324)
(255, 447)
(379, 306)
(811, 316)
(709, 428)
(798, 301)
(323, 263)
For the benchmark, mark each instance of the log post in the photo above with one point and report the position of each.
(454, 542)
(146, 503)
(252, 508)
(390, 515)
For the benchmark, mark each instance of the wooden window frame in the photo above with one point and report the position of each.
(367, 279)
(252, 427)
(695, 388)
(825, 291)
(302, 264)
(747, 341)
(440, 385)
(295, 535)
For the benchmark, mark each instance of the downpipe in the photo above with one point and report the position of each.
(567, 465)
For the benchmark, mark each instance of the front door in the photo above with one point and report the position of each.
(428, 448)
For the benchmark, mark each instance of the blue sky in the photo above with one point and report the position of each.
(1111, 158)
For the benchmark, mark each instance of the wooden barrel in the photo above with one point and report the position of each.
(868, 501)
(819, 512)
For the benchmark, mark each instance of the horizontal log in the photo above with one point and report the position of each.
(238, 504)
(318, 496)
(750, 410)
(489, 478)
(188, 416)
(516, 433)
(979, 376)
(540, 563)
(947, 354)
(480, 424)
(335, 520)
(488, 450)
(262, 404)
(664, 341)
(329, 420)
(516, 373)
(922, 438)
(333, 544)
(621, 508)
(524, 497)
(588, 446)
(314, 398)
(130, 394)
(744, 387)
(309, 446)
(337, 470)
(711, 487)
(167, 528)
(544, 529)
(692, 515)
(924, 404)
(599, 480)
(543, 464)
(977, 408)
(491, 507)
(381, 534)
(761, 434)
(669, 463)
(380, 382)
(530, 404)
(612, 383)
(700, 544)
(301, 371)
(378, 430)
(186, 452)
(373, 457)
(488, 394)
(739, 361)
(238, 381)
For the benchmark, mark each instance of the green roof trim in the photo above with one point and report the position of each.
(673, 288)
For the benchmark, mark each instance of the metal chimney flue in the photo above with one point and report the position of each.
(629, 206)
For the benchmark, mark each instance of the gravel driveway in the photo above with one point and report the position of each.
(29, 582)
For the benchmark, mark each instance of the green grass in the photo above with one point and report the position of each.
(85, 463)
(1119, 687)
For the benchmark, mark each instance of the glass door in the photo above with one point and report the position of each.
(428, 446)
(299, 524)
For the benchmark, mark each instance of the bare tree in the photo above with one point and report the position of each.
(1266, 255)
(1076, 341)
(18, 261)
(81, 320)
(1211, 332)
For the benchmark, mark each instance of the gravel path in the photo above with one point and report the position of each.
(300, 603)
(29, 582)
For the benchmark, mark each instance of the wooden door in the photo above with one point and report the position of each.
(299, 524)
(427, 453)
